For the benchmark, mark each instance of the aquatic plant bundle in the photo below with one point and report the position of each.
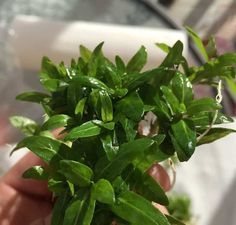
(97, 169)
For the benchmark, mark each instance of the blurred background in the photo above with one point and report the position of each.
(207, 17)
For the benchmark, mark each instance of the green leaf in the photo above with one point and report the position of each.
(126, 154)
(57, 186)
(132, 106)
(134, 80)
(231, 85)
(108, 146)
(214, 134)
(79, 109)
(48, 149)
(120, 65)
(182, 88)
(27, 126)
(94, 60)
(74, 94)
(164, 47)
(59, 209)
(53, 85)
(106, 106)
(174, 56)
(32, 96)
(111, 76)
(202, 105)
(174, 221)
(49, 68)
(92, 82)
(183, 137)
(36, 172)
(129, 128)
(171, 101)
(137, 210)
(85, 53)
(56, 121)
(206, 118)
(74, 208)
(138, 61)
(108, 126)
(154, 190)
(211, 48)
(198, 42)
(223, 66)
(161, 110)
(145, 185)
(87, 129)
(86, 215)
(76, 172)
(103, 192)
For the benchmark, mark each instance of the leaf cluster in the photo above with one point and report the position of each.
(98, 170)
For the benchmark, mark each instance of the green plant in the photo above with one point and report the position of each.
(97, 171)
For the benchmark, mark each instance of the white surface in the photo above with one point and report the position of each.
(209, 177)
(32, 37)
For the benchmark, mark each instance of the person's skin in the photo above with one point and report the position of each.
(23, 201)
(28, 202)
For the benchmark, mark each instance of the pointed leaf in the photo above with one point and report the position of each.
(164, 47)
(59, 209)
(56, 121)
(174, 56)
(120, 65)
(214, 134)
(108, 146)
(106, 106)
(32, 96)
(211, 48)
(92, 82)
(79, 109)
(85, 53)
(53, 85)
(198, 42)
(138, 61)
(135, 80)
(137, 210)
(206, 118)
(87, 212)
(171, 101)
(49, 68)
(94, 60)
(48, 149)
(155, 190)
(87, 129)
(202, 105)
(132, 106)
(74, 208)
(182, 88)
(127, 153)
(183, 137)
(76, 172)
(103, 192)
(174, 221)
(74, 94)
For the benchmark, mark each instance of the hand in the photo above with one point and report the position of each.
(22, 201)
(29, 202)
